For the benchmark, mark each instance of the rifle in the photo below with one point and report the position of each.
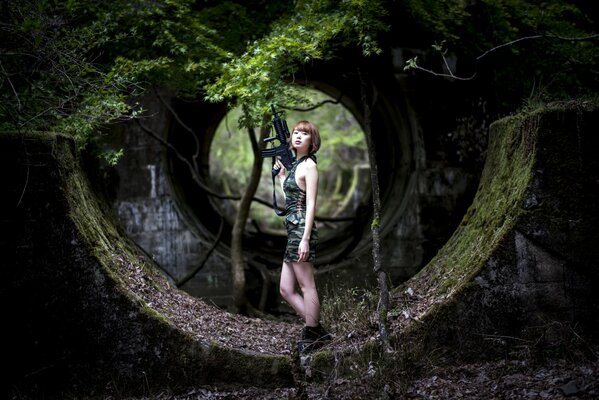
(282, 150)
(282, 135)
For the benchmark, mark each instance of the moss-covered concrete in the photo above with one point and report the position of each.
(521, 266)
(75, 324)
(524, 261)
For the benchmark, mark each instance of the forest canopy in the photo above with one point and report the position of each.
(76, 65)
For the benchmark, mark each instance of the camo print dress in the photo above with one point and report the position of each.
(295, 217)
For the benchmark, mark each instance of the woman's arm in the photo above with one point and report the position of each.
(281, 174)
(311, 193)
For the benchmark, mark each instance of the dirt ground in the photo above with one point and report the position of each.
(500, 380)
(517, 378)
(570, 377)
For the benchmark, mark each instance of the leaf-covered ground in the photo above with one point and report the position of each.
(500, 380)
(514, 379)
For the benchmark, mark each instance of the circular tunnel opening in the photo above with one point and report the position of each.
(221, 154)
(344, 175)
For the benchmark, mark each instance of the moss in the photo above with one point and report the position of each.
(522, 152)
(495, 208)
(110, 282)
(376, 223)
(95, 227)
(322, 365)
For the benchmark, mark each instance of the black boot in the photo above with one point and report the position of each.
(313, 338)
(321, 334)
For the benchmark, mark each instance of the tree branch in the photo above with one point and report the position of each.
(195, 270)
(369, 97)
(413, 62)
(337, 101)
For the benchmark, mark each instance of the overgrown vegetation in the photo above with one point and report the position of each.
(74, 66)
(349, 311)
(259, 77)
(522, 49)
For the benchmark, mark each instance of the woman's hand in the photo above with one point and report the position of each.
(303, 250)
(279, 166)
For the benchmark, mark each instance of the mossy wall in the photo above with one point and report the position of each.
(75, 322)
(523, 264)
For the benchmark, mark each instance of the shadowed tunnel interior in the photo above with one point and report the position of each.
(395, 152)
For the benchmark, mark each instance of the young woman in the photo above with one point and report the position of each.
(300, 188)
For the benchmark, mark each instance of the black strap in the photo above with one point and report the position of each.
(274, 173)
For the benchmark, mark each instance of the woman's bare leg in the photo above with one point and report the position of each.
(306, 304)
(288, 290)
(304, 274)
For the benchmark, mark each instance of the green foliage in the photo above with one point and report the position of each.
(260, 76)
(112, 156)
(239, 24)
(75, 65)
(47, 67)
(161, 42)
(72, 66)
(547, 62)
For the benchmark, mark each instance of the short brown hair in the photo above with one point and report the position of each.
(309, 127)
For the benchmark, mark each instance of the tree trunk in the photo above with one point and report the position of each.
(368, 99)
(237, 261)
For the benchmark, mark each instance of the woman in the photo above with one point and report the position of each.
(300, 188)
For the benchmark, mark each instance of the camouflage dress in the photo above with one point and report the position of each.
(295, 217)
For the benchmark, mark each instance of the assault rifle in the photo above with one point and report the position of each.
(282, 135)
(282, 151)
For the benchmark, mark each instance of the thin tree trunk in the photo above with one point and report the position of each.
(237, 261)
(368, 100)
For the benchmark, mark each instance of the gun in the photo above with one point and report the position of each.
(282, 135)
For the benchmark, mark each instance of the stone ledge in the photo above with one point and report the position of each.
(79, 321)
(523, 261)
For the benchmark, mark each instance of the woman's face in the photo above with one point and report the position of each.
(301, 140)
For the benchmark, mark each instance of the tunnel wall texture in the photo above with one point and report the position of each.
(426, 196)
(522, 267)
(76, 292)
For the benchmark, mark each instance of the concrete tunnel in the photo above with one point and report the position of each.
(423, 195)
(89, 314)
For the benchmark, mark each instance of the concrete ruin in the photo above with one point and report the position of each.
(425, 186)
(81, 298)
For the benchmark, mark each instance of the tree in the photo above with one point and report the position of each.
(73, 66)
(523, 49)
(237, 262)
(369, 95)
